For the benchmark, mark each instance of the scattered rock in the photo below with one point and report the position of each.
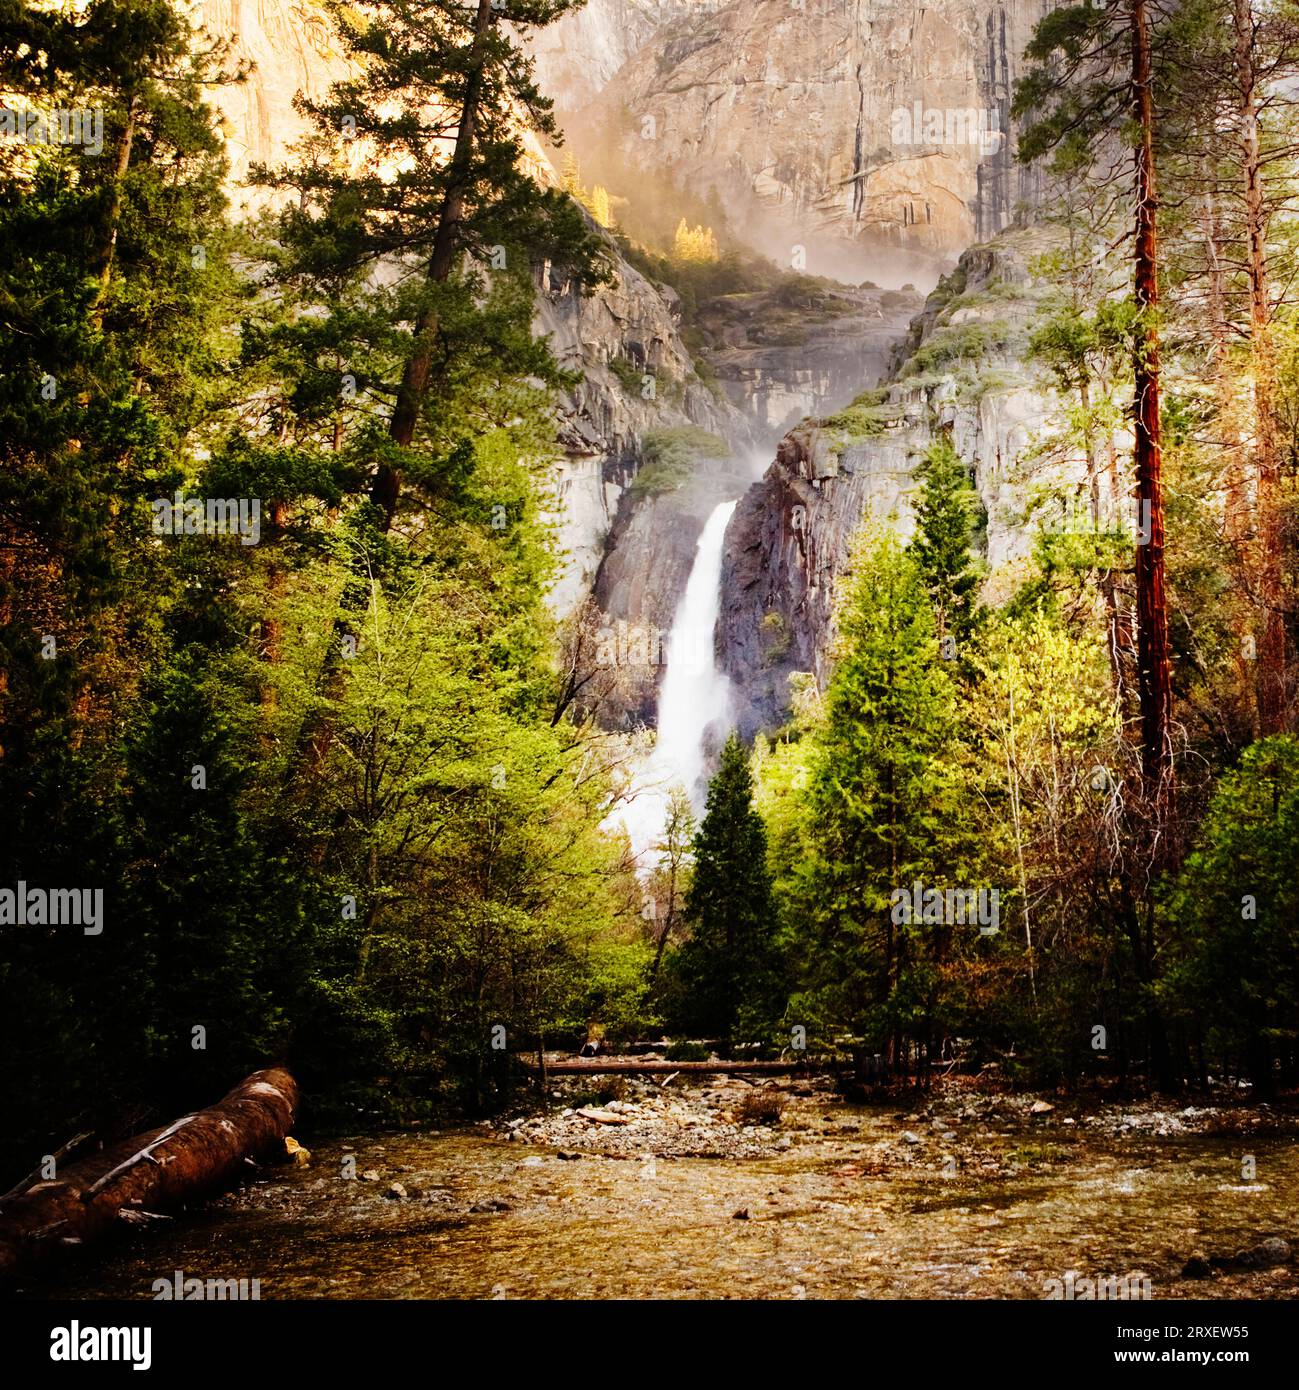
(1197, 1267)
(741, 1215)
(295, 1153)
(1040, 1107)
(396, 1192)
(372, 1175)
(1272, 1251)
(910, 1137)
(571, 1158)
(603, 1117)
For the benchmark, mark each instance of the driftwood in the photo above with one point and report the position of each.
(593, 1066)
(193, 1157)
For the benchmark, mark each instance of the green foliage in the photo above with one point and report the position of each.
(725, 981)
(672, 457)
(865, 417)
(879, 807)
(630, 377)
(946, 511)
(1230, 916)
(962, 343)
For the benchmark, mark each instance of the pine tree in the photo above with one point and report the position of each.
(694, 243)
(600, 209)
(881, 803)
(1232, 924)
(115, 301)
(727, 974)
(1090, 85)
(944, 526)
(432, 75)
(570, 177)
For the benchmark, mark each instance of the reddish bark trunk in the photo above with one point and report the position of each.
(191, 1158)
(1271, 648)
(1154, 675)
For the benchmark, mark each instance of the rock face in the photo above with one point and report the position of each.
(293, 48)
(831, 131)
(961, 372)
(579, 54)
(637, 374)
(803, 349)
(637, 377)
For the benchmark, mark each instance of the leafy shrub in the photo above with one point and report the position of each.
(671, 457)
(764, 1107)
(629, 375)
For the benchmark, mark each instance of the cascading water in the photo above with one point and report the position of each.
(694, 695)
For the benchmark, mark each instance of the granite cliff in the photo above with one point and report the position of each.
(840, 136)
(962, 370)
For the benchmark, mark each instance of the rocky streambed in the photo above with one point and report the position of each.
(732, 1190)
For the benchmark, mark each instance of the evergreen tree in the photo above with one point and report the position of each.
(881, 805)
(433, 76)
(945, 513)
(726, 975)
(1232, 922)
(1089, 88)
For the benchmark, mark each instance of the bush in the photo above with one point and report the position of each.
(609, 1088)
(864, 417)
(764, 1107)
(671, 457)
(688, 1052)
(630, 376)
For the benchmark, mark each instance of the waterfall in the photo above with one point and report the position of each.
(694, 695)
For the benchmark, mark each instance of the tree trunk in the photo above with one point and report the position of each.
(386, 488)
(1271, 648)
(194, 1157)
(1154, 678)
(103, 258)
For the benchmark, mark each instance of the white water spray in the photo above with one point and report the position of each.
(694, 695)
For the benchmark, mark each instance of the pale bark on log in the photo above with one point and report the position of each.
(192, 1158)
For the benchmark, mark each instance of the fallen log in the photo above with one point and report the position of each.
(603, 1117)
(194, 1157)
(593, 1066)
